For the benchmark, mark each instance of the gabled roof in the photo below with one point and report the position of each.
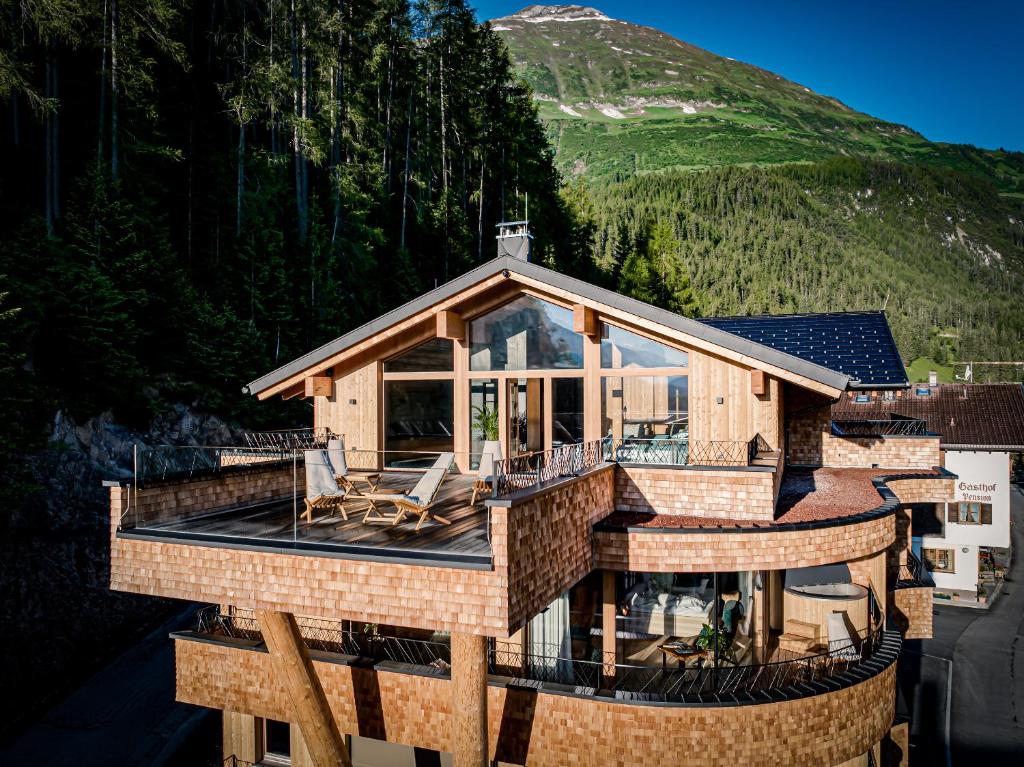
(511, 267)
(858, 344)
(966, 416)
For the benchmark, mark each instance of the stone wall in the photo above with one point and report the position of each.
(912, 611)
(740, 494)
(541, 728)
(696, 551)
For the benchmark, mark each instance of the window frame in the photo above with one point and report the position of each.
(931, 562)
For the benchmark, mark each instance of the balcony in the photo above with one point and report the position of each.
(255, 496)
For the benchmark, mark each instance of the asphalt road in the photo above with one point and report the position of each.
(976, 660)
(124, 715)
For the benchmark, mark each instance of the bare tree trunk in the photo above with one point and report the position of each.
(48, 147)
(115, 117)
(339, 119)
(102, 118)
(240, 180)
(480, 213)
(298, 94)
(405, 175)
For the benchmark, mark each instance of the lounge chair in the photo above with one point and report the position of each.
(485, 477)
(345, 478)
(322, 489)
(417, 501)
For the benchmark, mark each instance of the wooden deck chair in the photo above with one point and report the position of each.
(345, 478)
(322, 490)
(485, 473)
(417, 501)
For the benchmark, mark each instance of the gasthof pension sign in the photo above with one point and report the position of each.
(983, 478)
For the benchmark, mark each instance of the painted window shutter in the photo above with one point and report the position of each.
(986, 513)
(951, 512)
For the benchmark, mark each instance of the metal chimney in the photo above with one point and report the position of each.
(514, 239)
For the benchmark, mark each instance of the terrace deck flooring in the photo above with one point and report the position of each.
(466, 535)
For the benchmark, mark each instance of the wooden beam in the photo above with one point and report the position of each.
(318, 386)
(294, 670)
(584, 320)
(469, 700)
(758, 385)
(608, 606)
(450, 325)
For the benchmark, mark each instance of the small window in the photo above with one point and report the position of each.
(863, 399)
(939, 560)
(624, 349)
(435, 355)
(973, 513)
(889, 395)
(277, 742)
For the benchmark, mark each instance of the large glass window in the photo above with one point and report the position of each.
(418, 419)
(435, 355)
(483, 416)
(645, 407)
(668, 619)
(623, 349)
(566, 411)
(526, 334)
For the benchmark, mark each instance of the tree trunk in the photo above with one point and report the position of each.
(102, 117)
(298, 87)
(115, 117)
(405, 176)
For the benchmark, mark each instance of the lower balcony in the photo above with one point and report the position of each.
(397, 688)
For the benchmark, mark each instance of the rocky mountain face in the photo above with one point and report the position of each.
(58, 613)
(622, 99)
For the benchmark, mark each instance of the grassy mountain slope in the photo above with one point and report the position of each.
(621, 99)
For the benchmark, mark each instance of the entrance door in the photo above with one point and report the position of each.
(525, 416)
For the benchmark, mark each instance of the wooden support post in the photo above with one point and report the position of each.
(584, 320)
(319, 386)
(450, 325)
(608, 605)
(469, 701)
(294, 670)
(758, 382)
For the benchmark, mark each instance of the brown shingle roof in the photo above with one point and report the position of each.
(965, 415)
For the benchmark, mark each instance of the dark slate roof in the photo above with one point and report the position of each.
(964, 415)
(858, 344)
(723, 338)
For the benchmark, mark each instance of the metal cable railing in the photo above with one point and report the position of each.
(895, 427)
(330, 636)
(177, 463)
(534, 470)
(673, 683)
(289, 439)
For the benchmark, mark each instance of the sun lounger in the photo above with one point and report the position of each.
(485, 476)
(322, 489)
(347, 479)
(417, 501)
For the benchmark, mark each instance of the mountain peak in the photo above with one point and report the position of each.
(535, 14)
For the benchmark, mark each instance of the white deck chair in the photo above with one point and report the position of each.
(840, 643)
(417, 501)
(485, 473)
(322, 490)
(345, 478)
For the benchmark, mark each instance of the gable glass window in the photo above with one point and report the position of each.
(525, 334)
(435, 355)
(622, 349)
(939, 560)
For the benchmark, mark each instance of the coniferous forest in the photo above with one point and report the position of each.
(194, 192)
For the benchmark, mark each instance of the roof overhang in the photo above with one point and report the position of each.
(611, 304)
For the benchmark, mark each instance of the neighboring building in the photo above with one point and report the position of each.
(679, 560)
(981, 426)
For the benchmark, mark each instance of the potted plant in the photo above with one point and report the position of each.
(485, 422)
(705, 640)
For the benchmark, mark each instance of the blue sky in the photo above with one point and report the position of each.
(952, 70)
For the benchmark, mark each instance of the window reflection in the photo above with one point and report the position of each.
(433, 356)
(526, 334)
(622, 349)
(418, 418)
(645, 407)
